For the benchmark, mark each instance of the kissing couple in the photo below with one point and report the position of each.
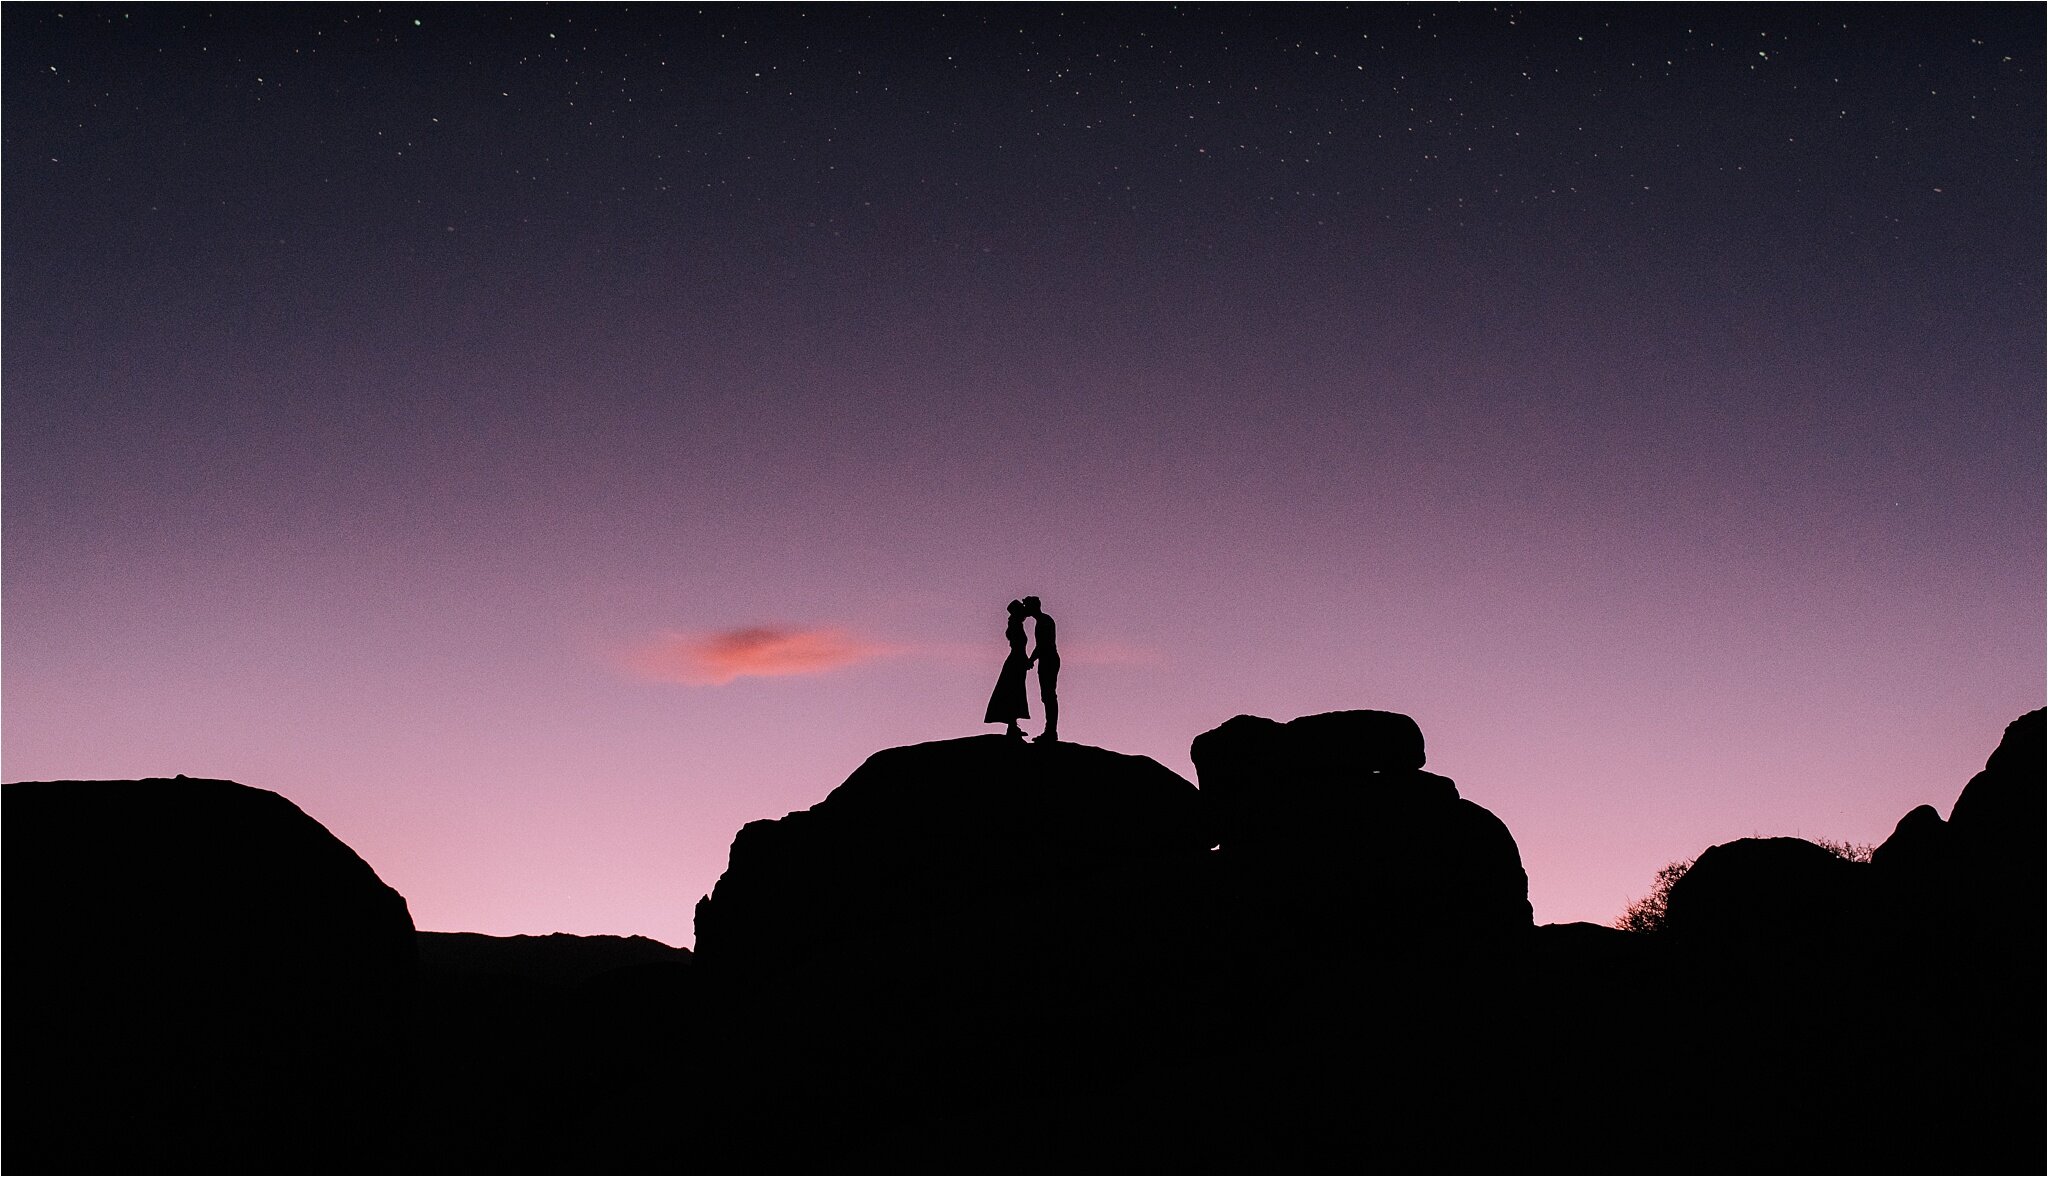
(1007, 703)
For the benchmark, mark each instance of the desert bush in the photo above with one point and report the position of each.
(1853, 851)
(1647, 914)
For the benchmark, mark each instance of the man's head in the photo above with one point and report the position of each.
(1031, 607)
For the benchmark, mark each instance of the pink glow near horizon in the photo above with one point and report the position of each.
(1666, 441)
(528, 789)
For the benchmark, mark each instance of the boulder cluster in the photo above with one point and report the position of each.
(982, 954)
(1081, 954)
(1934, 888)
(1904, 993)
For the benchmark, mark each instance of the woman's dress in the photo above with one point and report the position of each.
(1006, 703)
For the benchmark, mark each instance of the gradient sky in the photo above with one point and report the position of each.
(539, 440)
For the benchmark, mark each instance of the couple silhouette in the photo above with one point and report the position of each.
(1007, 704)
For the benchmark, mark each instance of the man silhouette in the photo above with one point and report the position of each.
(1046, 653)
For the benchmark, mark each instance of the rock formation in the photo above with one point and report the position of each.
(1000, 934)
(1334, 811)
(529, 1037)
(928, 842)
(1975, 884)
(1904, 991)
(984, 953)
(1786, 894)
(1996, 827)
(556, 959)
(199, 976)
(957, 927)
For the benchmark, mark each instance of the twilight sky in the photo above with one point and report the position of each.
(539, 440)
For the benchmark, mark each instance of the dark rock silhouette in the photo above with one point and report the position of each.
(936, 837)
(954, 929)
(1052, 921)
(1980, 876)
(528, 1038)
(1335, 809)
(1783, 893)
(1963, 903)
(1336, 745)
(200, 977)
(2003, 790)
(1928, 959)
(2003, 809)
(556, 959)
(1038, 956)
(1918, 845)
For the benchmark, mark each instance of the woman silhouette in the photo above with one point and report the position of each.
(1006, 703)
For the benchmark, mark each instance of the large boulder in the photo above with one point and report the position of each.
(556, 959)
(2005, 808)
(534, 1041)
(959, 929)
(1265, 779)
(1927, 959)
(1981, 875)
(1776, 893)
(1919, 845)
(927, 844)
(199, 977)
(1330, 820)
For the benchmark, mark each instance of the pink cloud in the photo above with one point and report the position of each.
(759, 651)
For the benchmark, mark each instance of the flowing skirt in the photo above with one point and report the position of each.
(1006, 703)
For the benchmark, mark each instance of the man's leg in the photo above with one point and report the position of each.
(1049, 691)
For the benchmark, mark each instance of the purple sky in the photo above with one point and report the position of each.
(433, 414)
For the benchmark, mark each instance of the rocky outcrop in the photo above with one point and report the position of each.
(959, 926)
(2008, 795)
(1266, 781)
(1918, 846)
(1784, 893)
(199, 977)
(1934, 888)
(1327, 821)
(1052, 954)
(1982, 874)
(1041, 945)
(1999, 819)
(1927, 962)
(529, 1036)
(1331, 816)
(935, 841)
(555, 959)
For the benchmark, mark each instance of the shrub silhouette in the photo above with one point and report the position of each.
(1853, 851)
(1647, 914)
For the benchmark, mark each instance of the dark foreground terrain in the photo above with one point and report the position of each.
(981, 954)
